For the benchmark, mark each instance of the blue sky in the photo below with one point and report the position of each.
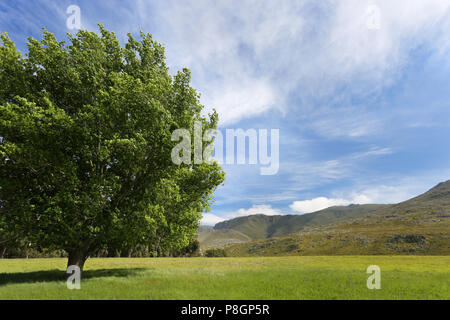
(358, 89)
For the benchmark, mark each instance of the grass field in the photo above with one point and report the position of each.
(327, 277)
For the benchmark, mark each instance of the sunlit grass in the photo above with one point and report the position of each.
(314, 277)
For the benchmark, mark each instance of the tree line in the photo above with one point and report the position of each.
(19, 248)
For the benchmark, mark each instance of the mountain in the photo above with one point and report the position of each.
(432, 206)
(262, 226)
(254, 227)
(420, 225)
(208, 237)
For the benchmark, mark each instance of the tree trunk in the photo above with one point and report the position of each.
(124, 253)
(158, 242)
(3, 252)
(77, 258)
(79, 255)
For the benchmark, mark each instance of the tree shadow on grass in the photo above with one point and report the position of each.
(59, 275)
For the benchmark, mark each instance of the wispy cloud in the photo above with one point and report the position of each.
(247, 56)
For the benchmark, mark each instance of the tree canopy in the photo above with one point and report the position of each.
(85, 145)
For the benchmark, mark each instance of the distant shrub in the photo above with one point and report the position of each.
(215, 253)
(409, 238)
(191, 250)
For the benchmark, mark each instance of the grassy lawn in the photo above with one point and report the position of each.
(327, 277)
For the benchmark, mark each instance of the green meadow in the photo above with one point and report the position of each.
(306, 277)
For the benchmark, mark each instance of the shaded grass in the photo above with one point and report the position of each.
(58, 275)
(327, 277)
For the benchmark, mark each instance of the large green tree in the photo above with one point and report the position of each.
(85, 145)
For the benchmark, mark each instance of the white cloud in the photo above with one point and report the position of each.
(297, 177)
(248, 56)
(374, 151)
(210, 219)
(256, 209)
(393, 188)
(237, 101)
(306, 174)
(389, 189)
(316, 204)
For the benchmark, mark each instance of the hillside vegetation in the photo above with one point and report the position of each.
(418, 226)
(217, 238)
(256, 227)
(261, 226)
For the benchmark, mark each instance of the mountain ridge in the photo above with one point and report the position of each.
(418, 225)
(260, 226)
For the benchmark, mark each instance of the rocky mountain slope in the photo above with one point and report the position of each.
(417, 226)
